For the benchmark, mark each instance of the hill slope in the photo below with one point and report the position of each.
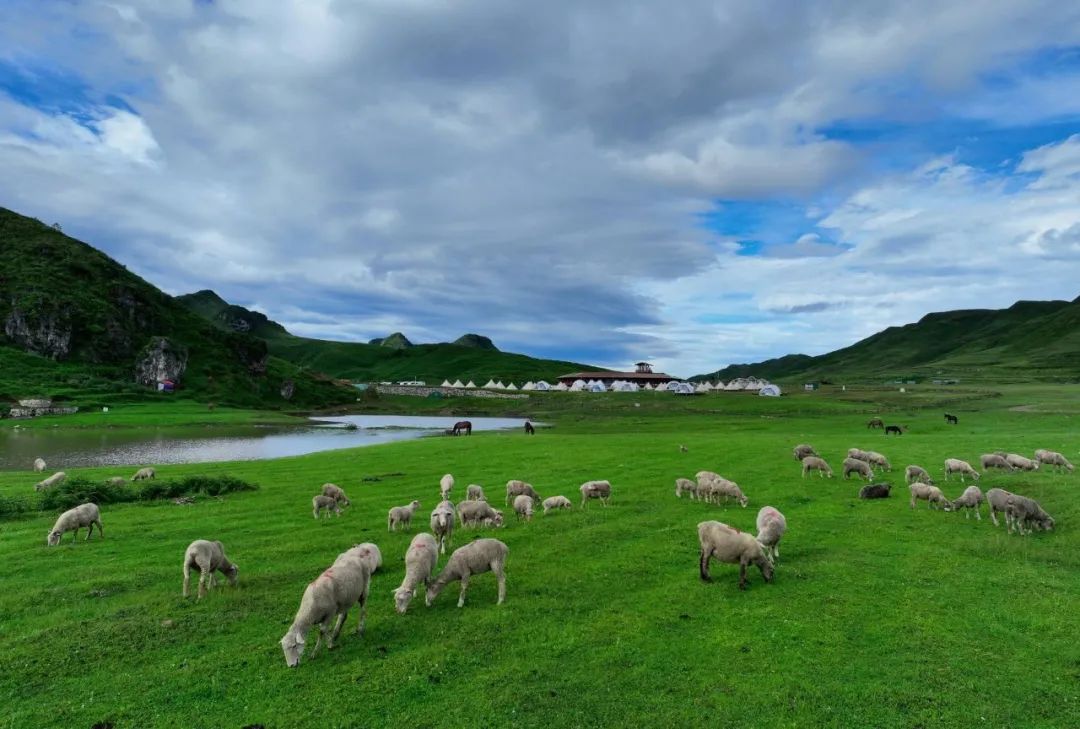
(1028, 340)
(393, 358)
(76, 321)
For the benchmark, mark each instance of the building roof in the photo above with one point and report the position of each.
(616, 376)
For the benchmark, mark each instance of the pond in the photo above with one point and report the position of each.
(72, 448)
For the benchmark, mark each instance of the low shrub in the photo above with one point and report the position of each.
(75, 491)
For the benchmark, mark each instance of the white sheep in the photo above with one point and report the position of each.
(442, 524)
(401, 516)
(994, 460)
(876, 459)
(955, 465)
(208, 558)
(970, 499)
(324, 503)
(1053, 458)
(814, 463)
(998, 500)
(917, 473)
(39, 465)
(83, 515)
(331, 594)
(1025, 512)
(472, 513)
(728, 544)
(54, 480)
(446, 483)
(369, 552)
(595, 490)
(483, 555)
(523, 507)
(730, 489)
(931, 494)
(771, 526)
(858, 454)
(475, 492)
(143, 474)
(336, 493)
(556, 502)
(859, 466)
(685, 486)
(803, 450)
(1021, 463)
(420, 560)
(516, 488)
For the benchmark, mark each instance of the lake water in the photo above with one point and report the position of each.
(70, 448)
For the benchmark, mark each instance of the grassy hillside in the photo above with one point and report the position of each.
(393, 358)
(76, 323)
(879, 615)
(1030, 340)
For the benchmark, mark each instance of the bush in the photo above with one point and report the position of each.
(14, 505)
(77, 491)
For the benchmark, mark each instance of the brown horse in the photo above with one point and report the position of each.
(462, 425)
(529, 429)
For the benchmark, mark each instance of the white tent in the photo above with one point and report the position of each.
(470, 385)
(648, 386)
(702, 388)
(624, 387)
(597, 386)
(561, 387)
(499, 385)
(528, 386)
(737, 384)
(542, 386)
(490, 385)
(578, 386)
(446, 383)
(682, 388)
(511, 386)
(457, 383)
(754, 384)
(770, 391)
(719, 385)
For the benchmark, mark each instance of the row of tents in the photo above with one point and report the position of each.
(762, 387)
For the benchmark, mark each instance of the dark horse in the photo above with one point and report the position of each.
(897, 429)
(462, 425)
(951, 419)
(529, 429)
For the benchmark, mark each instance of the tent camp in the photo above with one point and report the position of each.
(770, 391)
(682, 388)
(561, 387)
(542, 386)
(702, 388)
(470, 385)
(578, 386)
(596, 386)
(622, 386)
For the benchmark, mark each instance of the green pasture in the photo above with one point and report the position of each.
(879, 616)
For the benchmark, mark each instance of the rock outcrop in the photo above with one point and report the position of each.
(161, 360)
(43, 332)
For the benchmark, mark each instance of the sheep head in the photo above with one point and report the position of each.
(232, 573)
(402, 598)
(293, 646)
(54, 538)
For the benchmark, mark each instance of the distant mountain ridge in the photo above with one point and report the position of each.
(1028, 340)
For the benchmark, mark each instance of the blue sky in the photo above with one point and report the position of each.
(603, 183)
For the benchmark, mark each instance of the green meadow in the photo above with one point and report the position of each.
(879, 615)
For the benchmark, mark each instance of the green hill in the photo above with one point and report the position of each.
(78, 325)
(386, 359)
(1030, 340)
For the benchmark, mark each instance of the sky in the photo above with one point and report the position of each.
(693, 184)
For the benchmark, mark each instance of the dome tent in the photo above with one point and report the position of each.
(770, 390)
(542, 386)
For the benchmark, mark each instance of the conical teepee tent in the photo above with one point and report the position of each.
(561, 387)
(457, 383)
(490, 385)
(446, 383)
(470, 385)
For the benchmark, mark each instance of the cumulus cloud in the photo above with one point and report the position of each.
(536, 173)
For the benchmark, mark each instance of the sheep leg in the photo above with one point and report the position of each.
(89, 531)
(464, 587)
(319, 639)
(202, 583)
(315, 513)
(75, 536)
(336, 631)
(187, 578)
(500, 577)
(742, 573)
(704, 565)
(363, 611)
(993, 516)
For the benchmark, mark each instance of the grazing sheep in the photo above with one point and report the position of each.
(955, 465)
(369, 552)
(516, 488)
(951, 419)
(917, 473)
(730, 489)
(876, 459)
(475, 493)
(116, 481)
(442, 524)
(556, 502)
(143, 474)
(803, 450)
(209, 558)
(1025, 512)
(334, 492)
(1053, 458)
(858, 454)
(474, 513)
(483, 555)
(523, 507)
(875, 491)
(54, 480)
(83, 515)
(401, 516)
(595, 490)
(330, 595)
(876, 423)
(771, 526)
(970, 499)
(686, 486)
(813, 463)
(998, 500)
(931, 494)
(39, 465)
(1021, 463)
(994, 460)
(420, 561)
(446, 483)
(854, 465)
(324, 503)
(728, 544)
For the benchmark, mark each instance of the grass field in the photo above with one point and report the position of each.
(879, 615)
